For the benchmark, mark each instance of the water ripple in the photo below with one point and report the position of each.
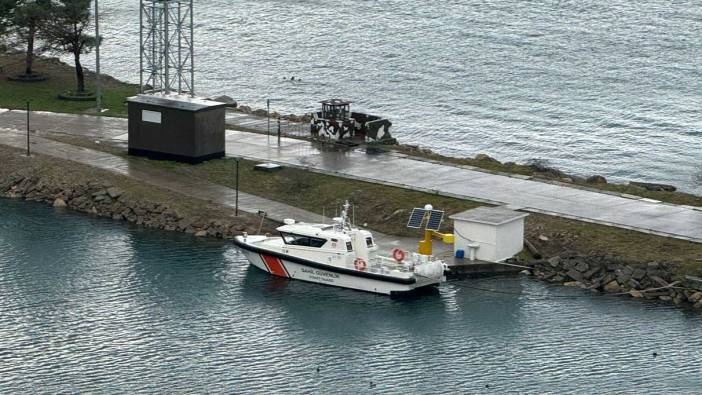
(467, 77)
(92, 305)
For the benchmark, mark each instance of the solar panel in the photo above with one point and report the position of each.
(435, 218)
(415, 220)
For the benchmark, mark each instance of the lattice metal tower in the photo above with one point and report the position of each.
(167, 47)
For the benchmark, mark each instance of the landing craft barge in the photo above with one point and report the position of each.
(339, 255)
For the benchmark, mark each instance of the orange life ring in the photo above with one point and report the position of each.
(360, 264)
(398, 254)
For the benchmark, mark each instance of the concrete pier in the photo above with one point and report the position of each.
(467, 268)
(612, 209)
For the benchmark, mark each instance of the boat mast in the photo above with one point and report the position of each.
(345, 216)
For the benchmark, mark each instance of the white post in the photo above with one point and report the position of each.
(98, 87)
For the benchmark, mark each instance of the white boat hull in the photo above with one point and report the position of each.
(281, 267)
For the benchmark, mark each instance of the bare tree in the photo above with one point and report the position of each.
(65, 32)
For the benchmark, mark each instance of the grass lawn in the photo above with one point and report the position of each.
(385, 209)
(43, 96)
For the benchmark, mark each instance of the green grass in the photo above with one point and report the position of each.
(385, 209)
(43, 96)
(382, 208)
(588, 238)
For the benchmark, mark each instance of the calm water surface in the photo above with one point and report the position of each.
(592, 86)
(92, 305)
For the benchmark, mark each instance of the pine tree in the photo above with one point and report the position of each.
(66, 32)
(28, 17)
(7, 8)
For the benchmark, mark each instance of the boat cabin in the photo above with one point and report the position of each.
(328, 237)
(336, 109)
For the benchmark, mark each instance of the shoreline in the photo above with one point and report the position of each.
(69, 185)
(574, 253)
(61, 72)
(100, 193)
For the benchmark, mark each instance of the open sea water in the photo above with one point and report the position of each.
(610, 87)
(97, 306)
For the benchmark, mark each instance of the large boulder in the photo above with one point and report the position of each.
(230, 102)
(575, 275)
(636, 294)
(114, 192)
(612, 287)
(60, 203)
(695, 297)
(486, 158)
(638, 274)
(596, 179)
(653, 186)
(582, 267)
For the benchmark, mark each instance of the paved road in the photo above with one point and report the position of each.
(182, 184)
(622, 211)
(260, 124)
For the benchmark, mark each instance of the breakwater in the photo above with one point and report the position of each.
(601, 273)
(652, 280)
(64, 184)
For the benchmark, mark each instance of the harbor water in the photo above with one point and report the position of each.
(608, 87)
(94, 305)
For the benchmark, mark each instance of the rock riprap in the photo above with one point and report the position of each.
(654, 280)
(113, 202)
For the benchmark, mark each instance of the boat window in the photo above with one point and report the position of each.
(298, 240)
(315, 242)
(369, 241)
(349, 246)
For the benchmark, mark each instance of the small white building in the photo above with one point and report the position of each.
(491, 234)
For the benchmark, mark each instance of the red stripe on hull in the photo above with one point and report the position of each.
(275, 266)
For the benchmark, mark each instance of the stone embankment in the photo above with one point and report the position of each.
(234, 105)
(105, 200)
(274, 115)
(654, 280)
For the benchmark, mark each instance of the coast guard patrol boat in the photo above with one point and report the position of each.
(340, 255)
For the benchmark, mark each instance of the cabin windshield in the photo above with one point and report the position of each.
(335, 111)
(299, 240)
